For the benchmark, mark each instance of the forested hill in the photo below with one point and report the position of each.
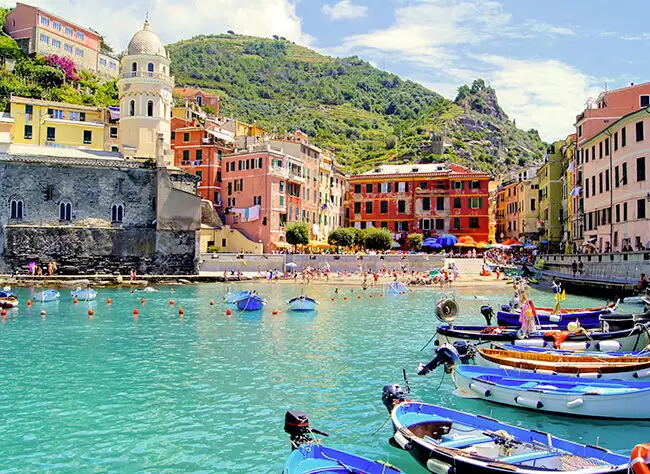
(365, 115)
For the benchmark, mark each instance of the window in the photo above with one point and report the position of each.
(51, 134)
(618, 213)
(606, 180)
(624, 174)
(624, 211)
(186, 156)
(45, 21)
(357, 207)
(186, 138)
(456, 223)
(474, 185)
(579, 130)
(260, 160)
(402, 187)
(28, 132)
(606, 146)
(623, 137)
(426, 204)
(132, 108)
(150, 108)
(587, 155)
(640, 169)
(115, 148)
(150, 69)
(440, 203)
(615, 141)
(134, 66)
(67, 48)
(368, 207)
(80, 36)
(639, 131)
(357, 188)
(401, 206)
(600, 182)
(587, 187)
(616, 177)
(383, 207)
(113, 132)
(473, 223)
(117, 213)
(199, 155)
(457, 204)
(199, 101)
(65, 211)
(56, 43)
(56, 25)
(68, 31)
(457, 184)
(44, 38)
(199, 173)
(593, 185)
(423, 185)
(475, 203)
(79, 52)
(532, 204)
(640, 209)
(368, 188)
(644, 100)
(281, 201)
(16, 209)
(440, 224)
(600, 150)
(383, 187)
(281, 184)
(88, 137)
(112, 65)
(29, 109)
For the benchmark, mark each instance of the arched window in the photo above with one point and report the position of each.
(117, 213)
(134, 67)
(65, 211)
(16, 211)
(132, 108)
(199, 101)
(150, 69)
(150, 108)
(164, 70)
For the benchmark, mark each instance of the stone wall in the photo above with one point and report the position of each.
(620, 267)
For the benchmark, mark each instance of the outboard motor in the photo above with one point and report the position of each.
(296, 423)
(488, 314)
(466, 351)
(446, 354)
(392, 395)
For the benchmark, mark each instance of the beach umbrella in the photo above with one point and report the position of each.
(429, 242)
(447, 240)
(291, 265)
(530, 247)
(466, 239)
(511, 242)
(436, 246)
(483, 245)
(396, 245)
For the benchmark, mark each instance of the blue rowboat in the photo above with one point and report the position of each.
(395, 288)
(87, 294)
(310, 457)
(302, 303)
(46, 296)
(589, 318)
(251, 302)
(233, 297)
(450, 441)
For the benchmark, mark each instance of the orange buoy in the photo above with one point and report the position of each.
(181, 311)
(75, 301)
(369, 296)
(639, 459)
(43, 312)
(90, 312)
(136, 311)
(3, 312)
(211, 302)
(171, 302)
(143, 301)
(345, 298)
(359, 297)
(229, 311)
(381, 295)
(275, 311)
(29, 302)
(109, 301)
(333, 299)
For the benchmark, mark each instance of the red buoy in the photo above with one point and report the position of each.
(181, 311)
(136, 311)
(275, 311)
(381, 295)
(43, 312)
(3, 312)
(90, 312)
(143, 301)
(369, 296)
(109, 301)
(29, 302)
(229, 311)
(75, 301)
(211, 302)
(171, 302)
(332, 299)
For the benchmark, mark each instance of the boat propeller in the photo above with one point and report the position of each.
(296, 424)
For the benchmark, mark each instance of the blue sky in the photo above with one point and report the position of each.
(545, 58)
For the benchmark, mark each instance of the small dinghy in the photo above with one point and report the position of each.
(233, 297)
(450, 441)
(251, 302)
(395, 288)
(149, 289)
(8, 299)
(308, 456)
(589, 318)
(633, 300)
(87, 294)
(46, 296)
(302, 303)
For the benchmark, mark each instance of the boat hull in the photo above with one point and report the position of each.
(46, 296)
(593, 399)
(232, 298)
(587, 319)
(251, 303)
(303, 304)
(314, 458)
(84, 295)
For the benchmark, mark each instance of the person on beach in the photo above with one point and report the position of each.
(581, 267)
(133, 274)
(574, 267)
(643, 282)
(225, 275)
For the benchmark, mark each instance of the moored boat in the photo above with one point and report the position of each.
(233, 297)
(450, 441)
(588, 318)
(87, 294)
(8, 299)
(302, 303)
(46, 296)
(309, 456)
(395, 288)
(251, 302)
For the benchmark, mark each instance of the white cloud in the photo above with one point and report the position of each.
(174, 20)
(344, 10)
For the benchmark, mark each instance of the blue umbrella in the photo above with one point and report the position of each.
(429, 242)
(448, 240)
(436, 246)
(530, 247)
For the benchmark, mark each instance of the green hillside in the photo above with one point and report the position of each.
(365, 115)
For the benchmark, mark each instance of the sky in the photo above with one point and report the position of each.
(545, 58)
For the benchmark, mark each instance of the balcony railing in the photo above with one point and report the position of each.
(146, 74)
(286, 174)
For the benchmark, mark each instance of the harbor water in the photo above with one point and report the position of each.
(207, 392)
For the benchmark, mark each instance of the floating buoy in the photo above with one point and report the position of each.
(171, 302)
(143, 301)
(345, 298)
(333, 299)
(359, 297)
(181, 311)
(3, 312)
(136, 311)
(43, 312)
(211, 302)
(369, 296)
(90, 312)
(275, 311)
(29, 302)
(381, 295)
(229, 311)
(109, 301)
(75, 301)
(410, 291)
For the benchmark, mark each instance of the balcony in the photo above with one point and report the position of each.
(286, 174)
(147, 75)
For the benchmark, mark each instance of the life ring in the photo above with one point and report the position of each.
(640, 459)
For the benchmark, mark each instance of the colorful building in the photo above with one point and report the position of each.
(432, 199)
(57, 124)
(550, 197)
(199, 97)
(39, 31)
(528, 218)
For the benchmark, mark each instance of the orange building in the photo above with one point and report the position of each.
(199, 97)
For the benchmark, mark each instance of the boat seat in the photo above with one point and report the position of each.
(524, 457)
(462, 442)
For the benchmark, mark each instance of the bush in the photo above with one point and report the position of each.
(343, 237)
(213, 249)
(415, 241)
(297, 233)
(378, 239)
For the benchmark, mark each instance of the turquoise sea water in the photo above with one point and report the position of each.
(208, 393)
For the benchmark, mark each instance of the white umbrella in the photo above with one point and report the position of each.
(291, 265)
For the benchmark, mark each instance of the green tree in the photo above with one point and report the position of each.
(343, 237)
(378, 239)
(415, 242)
(359, 236)
(297, 233)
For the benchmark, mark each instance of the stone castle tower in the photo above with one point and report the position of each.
(145, 94)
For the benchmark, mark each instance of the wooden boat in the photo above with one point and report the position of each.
(450, 441)
(251, 302)
(588, 318)
(87, 294)
(302, 303)
(233, 297)
(624, 340)
(46, 296)
(395, 288)
(310, 457)
(8, 299)
(620, 399)
(573, 365)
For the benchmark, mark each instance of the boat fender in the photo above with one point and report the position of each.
(555, 318)
(486, 392)
(545, 372)
(640, 459)
(537, 342)
(528, 402)
(640, 374)
(402, 442)
(574, 346)
(521, 334)
(608, 346)
(589, 375)
(575, 403)
(439, 467)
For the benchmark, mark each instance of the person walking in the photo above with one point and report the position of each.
(574, 267)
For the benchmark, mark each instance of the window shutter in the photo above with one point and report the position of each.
(406, 187)
(480, 203)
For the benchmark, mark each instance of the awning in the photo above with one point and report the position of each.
(281, 245)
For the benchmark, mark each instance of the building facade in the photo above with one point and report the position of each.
(39, 31)
(199, 97)
(550, 197)
(431, 199)
(528, 208)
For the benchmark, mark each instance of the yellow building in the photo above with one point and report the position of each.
(44, 123)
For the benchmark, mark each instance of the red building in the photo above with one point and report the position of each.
(199, 97)
(431, 199)
(199, 151)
